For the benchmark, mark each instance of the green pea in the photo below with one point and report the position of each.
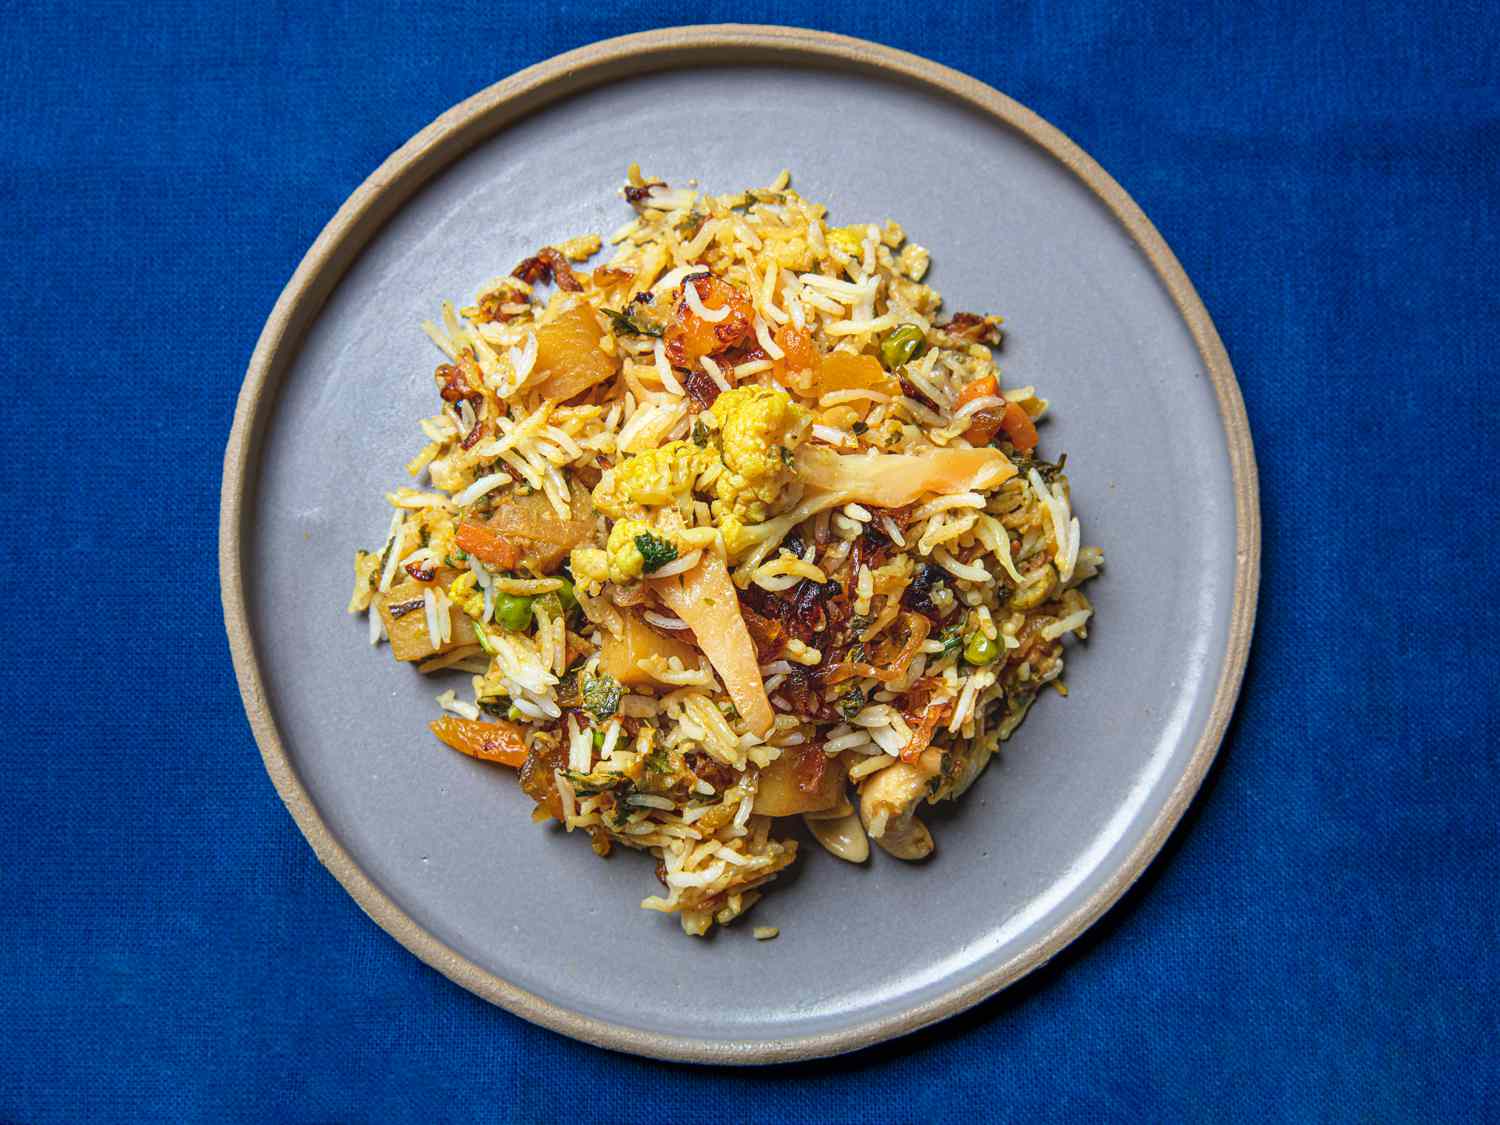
(981, 650)
(513, 612)
(902, 346)
(566, 595)
(598, 739)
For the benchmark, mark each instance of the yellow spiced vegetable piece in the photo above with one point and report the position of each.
(465, 594)
(622, 656)
(655, 478)
(759, 430)
(569, 359)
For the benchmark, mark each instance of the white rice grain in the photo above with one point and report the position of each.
(832, 436)
(429, 607)
(763, 336)
(450, 702)
(392, 544)
(569, 799)
(702, 311)
(649, 801)
(972, 572)
(678, 566)
(975, 405)
(851, 741)
(680, 879)
(485, 484)
(714, 373)
(861, 327)
(664, 370)
(1075, 620)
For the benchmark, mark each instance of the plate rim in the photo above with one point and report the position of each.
(484, 115)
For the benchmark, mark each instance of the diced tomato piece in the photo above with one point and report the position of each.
(487, 545)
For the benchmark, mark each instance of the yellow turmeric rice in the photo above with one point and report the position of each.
(733, 527)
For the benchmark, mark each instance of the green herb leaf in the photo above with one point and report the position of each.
(656, 551)
(627, 323)
(601, 696)
(1049, 471)
(592, 784)
(851, 703)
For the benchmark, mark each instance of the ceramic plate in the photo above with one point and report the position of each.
(439, 849)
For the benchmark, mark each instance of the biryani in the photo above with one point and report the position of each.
(734, 527)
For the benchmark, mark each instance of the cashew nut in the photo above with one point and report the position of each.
(844, 836)
(888, 802)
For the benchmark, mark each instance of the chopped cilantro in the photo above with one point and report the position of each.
(656, 551)
(601, 696)
(592, 784)
(659, 761)
(953, 641)
(700, 434)
(786, 454)
(851, 703)
(627, 323)
(621, 812)
(1048, 470)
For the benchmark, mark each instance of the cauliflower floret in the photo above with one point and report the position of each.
(739, 540)
(465, 594)
(914, 260)
(590, 567)
(652, 479)
(636, 548)
(626, 562)
(759, 429)
(851, 240)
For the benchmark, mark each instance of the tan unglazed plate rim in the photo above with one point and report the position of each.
(438, 146)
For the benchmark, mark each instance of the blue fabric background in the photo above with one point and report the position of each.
(1319, 940)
